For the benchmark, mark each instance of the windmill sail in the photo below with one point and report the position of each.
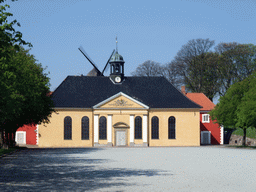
(90, 60)
(108, 62)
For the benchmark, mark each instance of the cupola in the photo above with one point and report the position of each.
(117, 67)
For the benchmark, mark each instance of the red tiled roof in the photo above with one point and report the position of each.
(202, 100)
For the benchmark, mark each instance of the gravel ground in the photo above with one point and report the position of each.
(204, 168)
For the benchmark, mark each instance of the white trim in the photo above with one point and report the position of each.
(24, 138)
(145, 128)
(132, 128)
(208, 118)
(209, 137)
(96, 128)
(109, 129)
(37, 135)
(117, 95)
(221, 135)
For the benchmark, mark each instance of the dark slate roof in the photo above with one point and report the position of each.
(85, 92)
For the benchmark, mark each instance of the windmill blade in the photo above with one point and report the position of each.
(108, 61)
(90, 60)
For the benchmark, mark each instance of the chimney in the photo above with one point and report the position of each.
(183, 90)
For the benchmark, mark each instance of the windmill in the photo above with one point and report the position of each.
(95, 71)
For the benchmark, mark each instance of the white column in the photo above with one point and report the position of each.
(145, 129)
(96, 128)
(109, 129)
(221, 135)
(131, 129)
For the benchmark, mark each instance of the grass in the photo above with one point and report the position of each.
(251, 133)
(241, 146)
(5, 151)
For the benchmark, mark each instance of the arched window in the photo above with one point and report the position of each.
(171, 128)
(155, 128)
(103, 128)
(85, 128)
(138, 127)
(67, 128)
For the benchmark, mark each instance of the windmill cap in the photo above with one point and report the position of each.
(117, 58)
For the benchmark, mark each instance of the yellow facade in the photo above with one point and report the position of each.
(122, 111)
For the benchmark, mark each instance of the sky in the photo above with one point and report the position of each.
(146, 30)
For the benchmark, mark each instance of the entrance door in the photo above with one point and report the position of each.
(205, 137)
(20, 137)
(120, 138)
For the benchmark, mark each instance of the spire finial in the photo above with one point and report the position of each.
(116, 45)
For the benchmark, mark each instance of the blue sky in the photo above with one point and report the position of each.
(147, 30)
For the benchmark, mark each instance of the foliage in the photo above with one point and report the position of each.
(23, 84)
(202, 76)
(25, 88)
(235, 64)
(235, 108)
(250, 132)
(194, 64)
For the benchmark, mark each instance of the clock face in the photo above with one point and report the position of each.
(118, 79)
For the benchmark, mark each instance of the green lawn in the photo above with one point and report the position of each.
(4, 151)
(251, 133)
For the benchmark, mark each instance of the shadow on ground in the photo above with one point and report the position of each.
(62, 170)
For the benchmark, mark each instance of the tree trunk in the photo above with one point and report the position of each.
(1, 137)
(244, 137)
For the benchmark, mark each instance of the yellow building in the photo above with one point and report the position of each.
(120, 111)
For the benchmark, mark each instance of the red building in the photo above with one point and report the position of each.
(27, 134)
(211, 133)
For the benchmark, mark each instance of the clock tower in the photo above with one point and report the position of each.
(117, 67)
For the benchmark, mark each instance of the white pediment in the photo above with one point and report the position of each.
(120, 100)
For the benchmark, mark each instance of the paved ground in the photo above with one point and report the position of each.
(130, 169)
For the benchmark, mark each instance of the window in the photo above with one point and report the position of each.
(138, 127)
(85, 128)
(205, 118)
(67, 128)
(154, 128)
(103, 128)
(171, 128)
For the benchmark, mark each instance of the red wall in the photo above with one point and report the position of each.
(213, 127)
(30, 133)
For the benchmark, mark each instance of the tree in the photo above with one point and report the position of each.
(25, 99)
(236, 62)
(169, 71)
(233, 110)
(151, 68)
(24, 86)
(202, 76)
(190, 63)
(148, 68)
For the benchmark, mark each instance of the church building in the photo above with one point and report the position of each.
(94, 111)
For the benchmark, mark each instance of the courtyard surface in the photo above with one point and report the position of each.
(205, 168)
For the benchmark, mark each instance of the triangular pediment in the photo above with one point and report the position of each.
(122, 101)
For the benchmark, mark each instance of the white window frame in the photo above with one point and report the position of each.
(207, 116)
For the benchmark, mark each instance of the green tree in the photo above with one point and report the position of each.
(23, 85)
(236, 62)
(202, 76)
(229, 111)
(25, 97)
